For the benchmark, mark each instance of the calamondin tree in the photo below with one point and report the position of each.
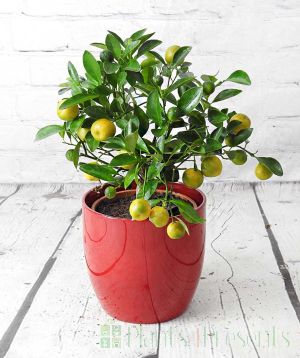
(136, 118)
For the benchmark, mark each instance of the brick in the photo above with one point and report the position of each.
(13, 70)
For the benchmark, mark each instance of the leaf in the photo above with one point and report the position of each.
(130, 141)
(48, 131)
(232, 125)
(133, 65)
(143, 119)
(180, 55)
(149, 188)
(91, 142)
(72, 72)
(130, 48)
(113, 45)
(227, 93)
(104, 172)
(110, 67)
(177, 84)
(63, 90)
(154, 109)
(272, 164)
(99, 45)
(115, 143)
(184, 225)
(121, 78)
(212, 145)
(123, 159)
(77, 99)
(117, 37)
(102, 90)
(158, 56)
(209, 78)
(188, 136)
(138, 34)
(141, 145)
(190, 98)
(147, 46)
(92, 66)
(216, 117)
(129, 177)
(95, 112)
(239, 76)
(219, 134)
(188, 212)
(243, 135)
(76, 124)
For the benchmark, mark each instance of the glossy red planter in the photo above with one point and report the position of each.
(139, 274)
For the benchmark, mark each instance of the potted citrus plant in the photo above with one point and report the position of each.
(150, 132)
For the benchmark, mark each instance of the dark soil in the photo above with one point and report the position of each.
(119, 207)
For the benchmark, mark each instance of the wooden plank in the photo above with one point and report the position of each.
(68, 320)
(241, 308)
(32, 223)
(280, 205)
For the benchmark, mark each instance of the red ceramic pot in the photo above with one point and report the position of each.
(139, 274)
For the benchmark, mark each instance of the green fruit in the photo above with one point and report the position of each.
(110, 192)
(172, 114)
(208, 88)
(240, 157)
(106, 55)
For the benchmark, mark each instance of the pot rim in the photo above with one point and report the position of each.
(86, 207)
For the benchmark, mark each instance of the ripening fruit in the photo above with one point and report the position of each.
(245, 122)
(192, 178)
(208, 88)
(139, 209)
(159, 216)
(110, 192)
(262, 172)
(82, 132)
(170, 52)
(240, 157)
(176, 230)
(90, 177)
(102, 129)
(67, 114)
(211, 166)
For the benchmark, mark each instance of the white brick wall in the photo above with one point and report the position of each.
(37, 38)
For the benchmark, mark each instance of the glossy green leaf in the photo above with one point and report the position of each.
(272, 164)
(190, 99)
(91, 66)
(154, 109)
(99, 45)
(129, 177)
(76, 124)
(138, 34)
(180, 55)
(113, 45)
(147, 46)
(77, 99)
(157, 56)
(95, 112)
(225, 94)
(110, 67)
(117, 37)
(188, 212)
(177, 84)
(143, 120)
(48, 131)
(141, 145)
(115, 143)
(133, 65)
(243, 135)
(123, 159)
(130, 141)
(239, 76)
(91, 142)
(216, 117)
(72, 72)
(104, 172)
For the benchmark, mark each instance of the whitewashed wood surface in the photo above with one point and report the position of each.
(246, 305)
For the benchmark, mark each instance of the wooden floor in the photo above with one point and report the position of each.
(247, 302)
